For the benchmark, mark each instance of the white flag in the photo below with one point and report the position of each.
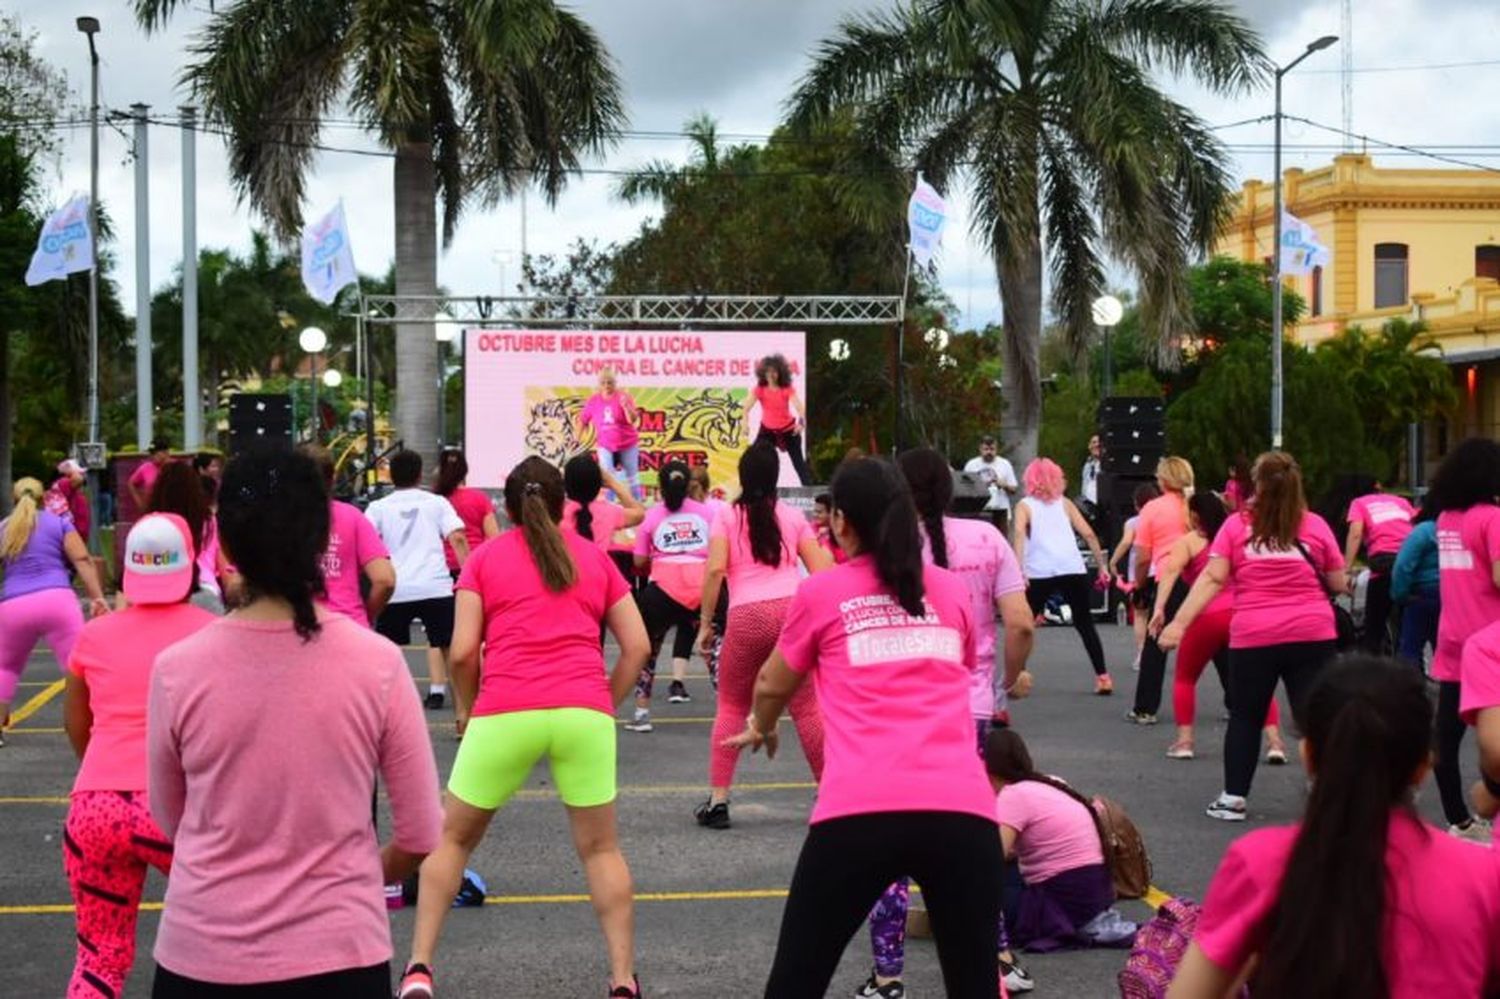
(1300, 249)
(64, 247)
(327, 257)
(926, 215)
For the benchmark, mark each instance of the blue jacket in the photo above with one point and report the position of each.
(1416, 569)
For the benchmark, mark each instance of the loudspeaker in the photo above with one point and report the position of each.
(970, 494)
(1129, 410)
(1139, 461)
(259, 417)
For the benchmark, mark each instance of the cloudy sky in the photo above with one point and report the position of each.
(736, 60)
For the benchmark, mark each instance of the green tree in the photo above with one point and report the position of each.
(1047, 109)
(474, 99)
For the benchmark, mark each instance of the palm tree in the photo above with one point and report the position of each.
(475, 100)
(1046, 108)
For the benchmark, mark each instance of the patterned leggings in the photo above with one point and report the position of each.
(749, 639)
(109, 840)
(888, 918)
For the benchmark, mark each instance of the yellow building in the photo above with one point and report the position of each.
(1418, 244)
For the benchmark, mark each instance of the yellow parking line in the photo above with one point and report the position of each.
(58, 730)
(38, 702)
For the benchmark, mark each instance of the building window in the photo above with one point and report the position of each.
(1390, 275)
(1487, 262)
(1317, 291)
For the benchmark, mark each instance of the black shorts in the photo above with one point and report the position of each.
(435, 613)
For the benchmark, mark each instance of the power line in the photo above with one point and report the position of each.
(1422, 67)
(1368, 140)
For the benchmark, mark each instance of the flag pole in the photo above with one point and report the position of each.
(896, 421)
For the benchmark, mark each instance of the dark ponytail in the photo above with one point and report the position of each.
(674, 479)
(876, 503)
(273, 523)
(534, 500)
(1367, 723)
(1007, 758)
(931, 481)
(582, 481)
(1210, 511)
(452, 470)
(760, 467)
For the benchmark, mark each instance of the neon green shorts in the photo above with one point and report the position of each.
(499, 751)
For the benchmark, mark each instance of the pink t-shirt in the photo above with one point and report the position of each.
(113, 655)
(541, 649)
(893, 691)
(751, 581)
(1161, 522)
(775, 406)
(608, 518)
(1054, 831)
(472, 506)
(1278, 597)
(1480, 674)
(1386, 520)
(264, 780)
(983, 559)
(676, 542)
(1442, 915)
(353, 543)
(612, 426)
(1468, 547)
(144, 477)
(1224, 599)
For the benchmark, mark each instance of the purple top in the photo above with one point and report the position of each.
(42, 564)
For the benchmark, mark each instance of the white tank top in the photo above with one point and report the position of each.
(1051, 548)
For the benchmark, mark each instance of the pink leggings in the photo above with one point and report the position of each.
(1205, 638)
(749, 639)
(109, 840)
(52, 614)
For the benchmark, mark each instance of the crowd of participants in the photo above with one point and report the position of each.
(895, 634)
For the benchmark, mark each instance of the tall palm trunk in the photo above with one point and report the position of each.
(416, 274)
(1020, 273)
(6, 422)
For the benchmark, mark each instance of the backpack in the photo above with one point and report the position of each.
(1124, 850)
(1158, 950)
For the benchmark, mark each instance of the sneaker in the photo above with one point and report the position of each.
(1475, 831)
(631, 991)
(434, 701)
(1015, 977)
(678, 693)
(1276, 756)
(416, 983)
(1180, 751)
(1140, 717)
(1103, 685)
(711, 816)
(641, 722)
(1227, 808)
(890, 990)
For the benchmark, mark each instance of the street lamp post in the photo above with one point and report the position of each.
(1276, 290)
(90, 27)
(313, 341)
(443, 332)
(1108, 311)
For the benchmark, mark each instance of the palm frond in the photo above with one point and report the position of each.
(397, 69)
(858, 63)
(153, 15)
(1072, 244)
(1203, 39)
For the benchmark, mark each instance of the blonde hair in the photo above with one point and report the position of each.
(1176, 474)
(19, 526)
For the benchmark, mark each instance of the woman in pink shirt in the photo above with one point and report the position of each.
(110, 840)
(587, 516)
(354, 550)
(889, 644)
(1381, 521)
(1362, 898)
(781, 413)
(472, 505)
(262, 779)
(529, 675)
(613, 415)
(1162, 522)
(1282, 560)
(755, 545)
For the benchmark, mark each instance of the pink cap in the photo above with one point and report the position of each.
(69, 467)
(158, 560)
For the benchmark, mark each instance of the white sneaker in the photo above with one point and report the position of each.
(1015, 977)
(1227, 808)
(641, 722)
(1476, 831)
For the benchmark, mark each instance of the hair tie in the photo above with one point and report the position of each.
(532, 489)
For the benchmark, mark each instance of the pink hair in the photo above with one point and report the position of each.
(1045, 480)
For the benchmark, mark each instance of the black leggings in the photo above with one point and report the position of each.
(1154, 658)
(1448, 735)
(1376, 635)
(1075, 593)
(661, 613)
(847, 863)
(1252, 683)
(791, 443)
(373, 982)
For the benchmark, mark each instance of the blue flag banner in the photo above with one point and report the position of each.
(64, 246)
(926, 216)
(327, 257)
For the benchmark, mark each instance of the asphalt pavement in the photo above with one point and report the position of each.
(708, 903)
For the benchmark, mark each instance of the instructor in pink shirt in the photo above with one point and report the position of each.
(613, 415)
(266, 731)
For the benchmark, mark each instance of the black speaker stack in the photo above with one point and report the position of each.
(263, 417)
(1133, 434)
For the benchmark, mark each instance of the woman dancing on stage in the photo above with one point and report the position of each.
(782, 414)
(613, 415)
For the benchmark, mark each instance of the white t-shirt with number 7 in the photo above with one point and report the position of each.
(413, 524)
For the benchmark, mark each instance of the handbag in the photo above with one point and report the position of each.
(1343, 621)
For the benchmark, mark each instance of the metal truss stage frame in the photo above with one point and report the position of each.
(634, 310)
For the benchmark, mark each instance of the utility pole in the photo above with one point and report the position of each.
(95, 456)
(192, 401)
(143, 400)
